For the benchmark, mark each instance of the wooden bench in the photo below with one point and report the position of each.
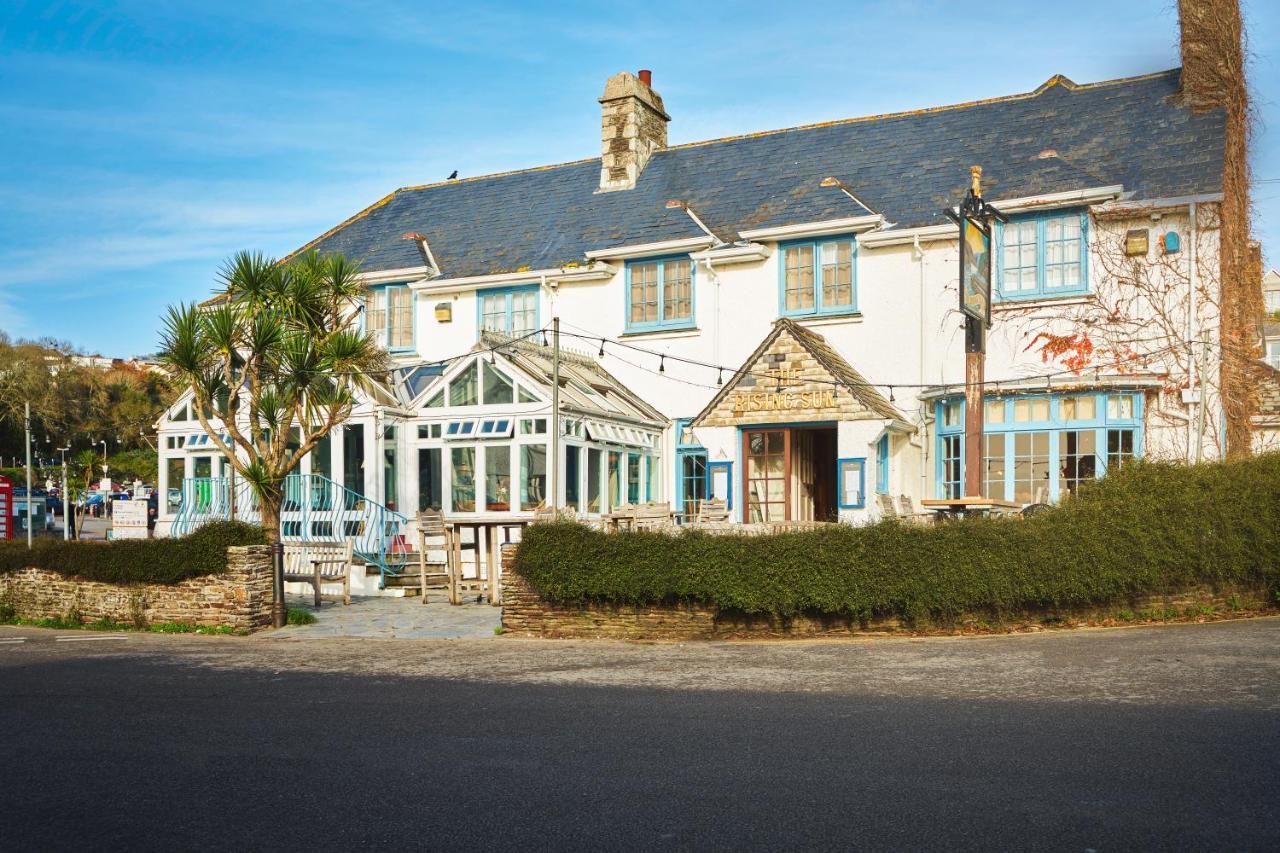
(319, 563)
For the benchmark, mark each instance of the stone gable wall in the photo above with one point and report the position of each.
(240, 598)
(807, 393)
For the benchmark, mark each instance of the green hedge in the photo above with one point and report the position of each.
(1149, 528)
(165, 561)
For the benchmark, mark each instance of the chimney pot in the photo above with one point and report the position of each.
(646, 76)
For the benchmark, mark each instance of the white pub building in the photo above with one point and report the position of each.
(772, 319)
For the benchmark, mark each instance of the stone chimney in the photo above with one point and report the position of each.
(633, 125)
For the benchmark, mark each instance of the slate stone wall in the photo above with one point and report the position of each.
(239, 598)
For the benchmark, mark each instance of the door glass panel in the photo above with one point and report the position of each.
(571, 453)
(593, 480)
(693, 481)
(464, 479)
(767, 489)
(429, 479)
(533, 476)
(497, 478)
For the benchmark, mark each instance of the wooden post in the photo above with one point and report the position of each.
(454, 544)
(495, 559)
(973, 417)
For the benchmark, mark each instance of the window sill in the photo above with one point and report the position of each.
(1006, 304)
(826, 319)
(676, 332)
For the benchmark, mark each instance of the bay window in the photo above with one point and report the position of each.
(1038, 449)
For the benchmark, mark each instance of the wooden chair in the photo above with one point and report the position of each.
(319, 563)
(886, 506)
(434, 552)
(713, 511)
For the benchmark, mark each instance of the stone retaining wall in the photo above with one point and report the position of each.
(525, 613)
(240, 598)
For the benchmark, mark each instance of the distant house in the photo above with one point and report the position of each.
(772, 319)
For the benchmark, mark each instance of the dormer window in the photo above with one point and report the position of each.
(659, 294)
(510, 310)
(1042, 255)
(388, 316)
(819, 277)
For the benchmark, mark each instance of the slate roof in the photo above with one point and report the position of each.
(826, 356)
(906, 166)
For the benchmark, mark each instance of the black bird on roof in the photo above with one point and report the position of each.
(454, 176)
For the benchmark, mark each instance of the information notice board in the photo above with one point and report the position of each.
(128, 519)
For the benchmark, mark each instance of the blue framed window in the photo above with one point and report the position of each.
(882, 465)
(818, 277)
(1037, 449)
(851, 482)
(508, 310)
(660, 294)
(1042, 255)
(389, 316)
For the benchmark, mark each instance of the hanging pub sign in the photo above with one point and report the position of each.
(973, 216)
(975, 270)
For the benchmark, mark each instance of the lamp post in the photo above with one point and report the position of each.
(27, 425)
(66, 493)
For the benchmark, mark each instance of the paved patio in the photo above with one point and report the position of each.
(394, 618)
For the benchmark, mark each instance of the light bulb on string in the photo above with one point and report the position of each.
(662, 364)
(544, 337)
(891, 398)
(720, 376)
(601, 348)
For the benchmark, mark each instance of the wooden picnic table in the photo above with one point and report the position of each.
(971, 505)
(486, 531)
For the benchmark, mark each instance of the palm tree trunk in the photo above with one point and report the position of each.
(271, 515)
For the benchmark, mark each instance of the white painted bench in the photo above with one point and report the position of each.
(319, 563)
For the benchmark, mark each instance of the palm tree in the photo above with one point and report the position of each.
(275, 358)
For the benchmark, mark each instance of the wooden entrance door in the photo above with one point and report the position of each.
(767, 480)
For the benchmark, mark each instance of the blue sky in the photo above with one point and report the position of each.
(143, 142)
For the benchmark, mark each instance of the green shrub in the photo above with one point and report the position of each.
(298, 616)
(1148, 528)
(164, 561)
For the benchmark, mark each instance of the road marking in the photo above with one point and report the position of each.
(12, 642)
(85, 639)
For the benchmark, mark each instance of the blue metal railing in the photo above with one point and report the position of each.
(315, 509)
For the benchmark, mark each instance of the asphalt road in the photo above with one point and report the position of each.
(1152, 738)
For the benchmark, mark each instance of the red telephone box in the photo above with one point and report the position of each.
(6, 508)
